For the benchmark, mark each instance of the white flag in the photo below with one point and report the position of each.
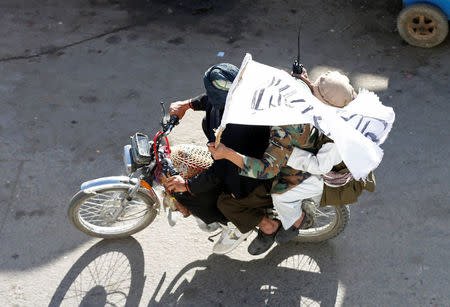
(264, 95)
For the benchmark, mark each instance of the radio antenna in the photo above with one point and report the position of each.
(297, 67)
(298, 44)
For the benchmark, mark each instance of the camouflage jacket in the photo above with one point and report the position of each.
(282, 141)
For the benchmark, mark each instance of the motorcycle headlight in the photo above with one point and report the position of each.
(128, 162)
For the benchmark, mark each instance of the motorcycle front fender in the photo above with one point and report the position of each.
(92, 186)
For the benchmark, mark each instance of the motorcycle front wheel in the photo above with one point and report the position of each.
(93, 213)
(329, 221)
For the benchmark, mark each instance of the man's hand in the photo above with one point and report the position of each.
(178, 108)
(304, 77)
(218, 153)
(224, 152)
(175, 184)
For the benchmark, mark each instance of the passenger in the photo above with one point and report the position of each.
(291, 185)
(200, 193)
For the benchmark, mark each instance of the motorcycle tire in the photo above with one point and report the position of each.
(422, 25)
(91, 212)
(333, 224)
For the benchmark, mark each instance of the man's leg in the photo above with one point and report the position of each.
(289, 204)
(247, 213)
(292, 213)
(203, 206)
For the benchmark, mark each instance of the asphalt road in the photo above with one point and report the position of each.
(77, 78)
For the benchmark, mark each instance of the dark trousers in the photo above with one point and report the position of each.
(246, 212)
(203, 206)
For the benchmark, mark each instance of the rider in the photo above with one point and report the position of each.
(291, 185)
(200, 193)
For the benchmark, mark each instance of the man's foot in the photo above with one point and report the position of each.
(230, 238)
(307, 221)
(286, 235)
(262, 242)
(182, 209)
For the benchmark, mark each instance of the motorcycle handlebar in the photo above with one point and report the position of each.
(173, 121)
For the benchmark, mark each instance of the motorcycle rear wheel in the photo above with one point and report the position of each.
(330, 221)
(92, 213)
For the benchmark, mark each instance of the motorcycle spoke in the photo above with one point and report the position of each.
(134, 215)
(92, 210)
(324, 214)
(324, 219)
(98, 211)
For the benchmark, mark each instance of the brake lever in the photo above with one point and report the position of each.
(164, 116)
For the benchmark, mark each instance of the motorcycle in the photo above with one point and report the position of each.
(119, 206)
